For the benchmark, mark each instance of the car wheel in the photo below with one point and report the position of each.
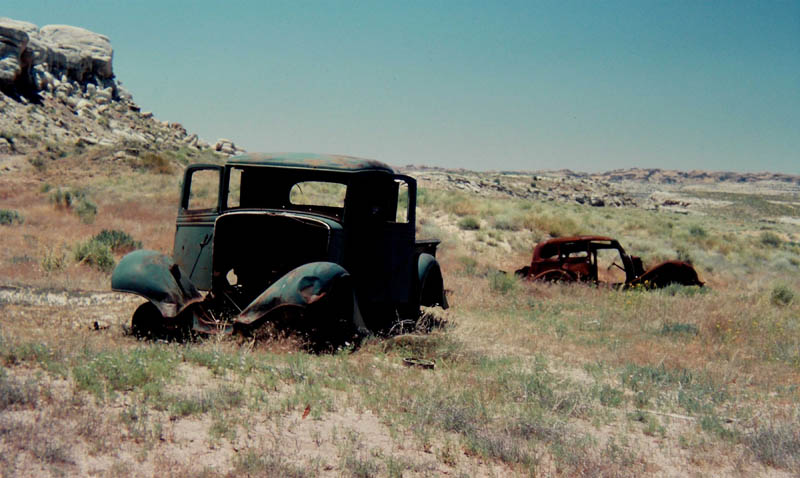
(147, 322)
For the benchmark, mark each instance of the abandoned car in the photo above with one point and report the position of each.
(324, 243)
(586, 258)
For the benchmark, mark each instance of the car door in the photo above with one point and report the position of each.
(194, 232)
(398, 236)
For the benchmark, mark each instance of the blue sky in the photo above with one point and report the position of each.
(585, 85)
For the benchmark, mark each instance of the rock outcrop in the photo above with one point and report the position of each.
(57, 87)
(34, 59)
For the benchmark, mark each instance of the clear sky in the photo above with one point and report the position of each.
(586, 85)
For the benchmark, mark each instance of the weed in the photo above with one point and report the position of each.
(610, 396)
(469, 265)
(77, 200)
(136, 421)
(713, 424)
(776, 445)
(678, 328)
(64, 198)
(683, 254)
(469, 223)
(697, 231)
(118, 241)
(53, 260)
(86, 210)
(770, 239)
(104, 373)
(267, 462)
(94, 253)
(9, 217)
(782, 295)
(152, 162)
(16, 393)
(502, 283)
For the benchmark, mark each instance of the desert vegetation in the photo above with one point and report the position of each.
(529, 379)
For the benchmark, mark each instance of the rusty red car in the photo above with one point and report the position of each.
(602, 259)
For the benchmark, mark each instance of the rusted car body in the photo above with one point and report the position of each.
(325, 241)
(573, 259)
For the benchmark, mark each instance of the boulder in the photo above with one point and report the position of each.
(80, 53)
(13, 44)
(30, 57)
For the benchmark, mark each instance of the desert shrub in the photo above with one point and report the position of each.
(74, 199)
(14, 392)
(776, 445)
(770, 239)
(64, 198)
(469, 265)
(152, 162)
(53, 261)
(469, 223)
(94, 253)
(501, 283)
(781, 295)
(506, 223)
(118, 241)
(678, 328)
(697, 231)
(9, 217)
(86, 210)
(683, 254)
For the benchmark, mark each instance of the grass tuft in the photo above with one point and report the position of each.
(10, 217)
(96, 254)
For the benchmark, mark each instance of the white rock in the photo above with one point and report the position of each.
(13, 43)
(79, 51)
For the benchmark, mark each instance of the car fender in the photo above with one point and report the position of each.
(303, 287)
(431, 284)
(155, 277)
(665, 273)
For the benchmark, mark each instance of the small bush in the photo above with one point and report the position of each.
(118, 241)
(9, 217)
(770, 239)
(95, 254)
(13, 392)
(502, 283)
(506, 223)
(74, 199)
(683, 254)
(697, 231)
(469, 265)
(469, 223)
(678, 328)
(781, 295)
(776, 445)
(86, 210)
(152, 162)
(53, 261)
(64, 199)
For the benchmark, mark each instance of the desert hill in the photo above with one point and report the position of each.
(59, 92)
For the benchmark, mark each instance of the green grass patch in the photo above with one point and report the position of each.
(10, 217)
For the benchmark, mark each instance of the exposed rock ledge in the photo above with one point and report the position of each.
(34, 59)
(57, 85)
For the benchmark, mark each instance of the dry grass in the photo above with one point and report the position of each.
(530, 379)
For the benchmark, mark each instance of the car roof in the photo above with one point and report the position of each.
(550, 247)
(322, 162)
